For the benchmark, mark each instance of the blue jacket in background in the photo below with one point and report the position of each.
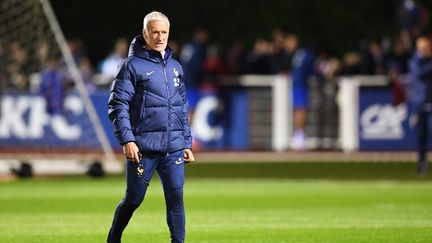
(51, 87)
(192, 58)
(421, 88)
(302, 67)
(147, 103)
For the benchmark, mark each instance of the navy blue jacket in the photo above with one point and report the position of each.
(147, 103)
(421, 71)
(192, 58)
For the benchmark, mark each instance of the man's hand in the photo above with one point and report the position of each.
(188, 156)
(131, 151)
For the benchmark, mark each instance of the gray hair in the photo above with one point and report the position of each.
(155, 16)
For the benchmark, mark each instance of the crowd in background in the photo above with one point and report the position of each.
(205, 61)
(267, 55)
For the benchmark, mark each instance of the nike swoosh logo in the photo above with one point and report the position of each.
(149, 73)
(178, 162)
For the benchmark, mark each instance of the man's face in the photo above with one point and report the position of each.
(424, 47)
(156, 35)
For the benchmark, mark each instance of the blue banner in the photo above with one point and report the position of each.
(383, 126)
(26, 123)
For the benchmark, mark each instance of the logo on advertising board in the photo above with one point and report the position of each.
(383, 121)
(26, 123)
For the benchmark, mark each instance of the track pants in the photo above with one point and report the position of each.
(170, 168)
(422, 140)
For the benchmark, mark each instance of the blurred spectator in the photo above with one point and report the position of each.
(282, 58)
(235, 58)
(3, 74)
(327, 66)
(260, 59)
(397, 66)
(398, 56)
(175, 47)
(278, 37)
(17, 67)
(84, 66)
(52, 87)
(413, 20)
(213, 64)
(323, 119)
(108, 66)
(43, 52)
(351, 61)
(373, 59)
(421, 97)
(302, 68)
(87, 73)
(76, 46)
(192, 58)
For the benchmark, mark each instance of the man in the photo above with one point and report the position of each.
(421, 97)
(302, 67)
(147, 107)
(192, 57)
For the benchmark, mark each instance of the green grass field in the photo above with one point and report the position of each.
(80, 209)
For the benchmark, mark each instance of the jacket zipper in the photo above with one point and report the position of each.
(169, 104)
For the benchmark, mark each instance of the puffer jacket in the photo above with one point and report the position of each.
(147, 103)
(421, 72)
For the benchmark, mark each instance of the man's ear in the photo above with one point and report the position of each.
(145, 35)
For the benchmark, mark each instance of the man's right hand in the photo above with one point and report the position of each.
(131, 151)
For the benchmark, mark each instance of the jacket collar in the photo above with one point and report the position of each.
(137, 48)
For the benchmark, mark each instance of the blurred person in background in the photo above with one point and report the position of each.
(420, 67)
(4, 82)
(282, 58)
(87, 74)
(192, 58)
(3, 76)
(147, 107)
(302, 67)
(235, 56)
(108, 67)
(213, 64)
(43, 54)
(110, 64)
(351, 63)
(76, 47)
(373, 59)
(260, 59)
(413, 19)
(397, 69)
(52, 86)
(83, 63)
(175, 46)
(18, 67)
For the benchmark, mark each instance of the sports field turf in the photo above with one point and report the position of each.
(80, 209)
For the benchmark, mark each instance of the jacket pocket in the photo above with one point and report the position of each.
(137, 107)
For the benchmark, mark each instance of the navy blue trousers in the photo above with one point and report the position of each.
(170, 168)
(422, 140)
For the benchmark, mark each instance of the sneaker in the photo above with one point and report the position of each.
(298, 143)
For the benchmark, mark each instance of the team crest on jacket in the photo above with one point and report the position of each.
(176, 80)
